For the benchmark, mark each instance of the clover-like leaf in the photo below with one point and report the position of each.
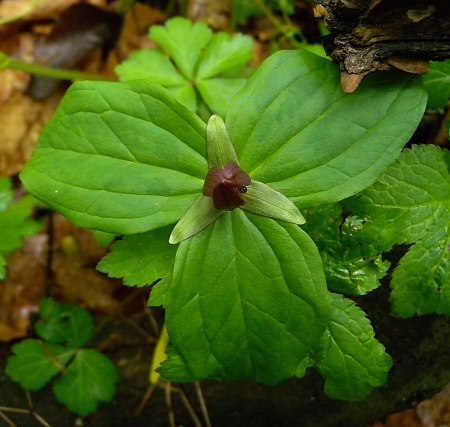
(35, 363)
(90, 379)
(65, 323)
(196, 61)
(183, 41)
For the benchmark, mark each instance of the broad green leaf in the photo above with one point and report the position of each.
(90, 379)
(350, 358)
(350, 266)
(119, 157)
(183, 41)
(223, 53)
(151, 65)
(437, 83)
(35, 363)
(218, 93)
(410, 204)
(247, 301)
(294, 129)
(140, 259)
(64, 323)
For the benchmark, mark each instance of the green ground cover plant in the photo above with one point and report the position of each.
(212, 212)
(15, 222)
(85, 376)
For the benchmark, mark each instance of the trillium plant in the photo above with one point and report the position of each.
(213, 210)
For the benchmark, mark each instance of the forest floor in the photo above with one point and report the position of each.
(60, 260)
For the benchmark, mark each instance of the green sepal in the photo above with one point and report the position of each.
(219, 149)
(201, 214)
(263, 200)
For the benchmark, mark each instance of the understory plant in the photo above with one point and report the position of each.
(81, 377)
(211, 213)
(15, 222)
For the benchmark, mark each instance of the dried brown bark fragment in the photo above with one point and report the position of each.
(371, 35)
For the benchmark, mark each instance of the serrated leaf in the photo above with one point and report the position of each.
(437, 84)
(35, 363)
(119, 157)
(218, 93)
(183, 41)
(140, 259)
(410, 204)
(223, 53)
(15, 222)
(421, 281)
(90, 379)
(64, 323)
(352, 361)
(247, 301)
(350, 266)
(338, 143)
(151, 65)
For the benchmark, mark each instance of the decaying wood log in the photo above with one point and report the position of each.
(371, 35)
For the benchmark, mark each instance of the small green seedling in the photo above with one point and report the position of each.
(85, 376)
(194, 64)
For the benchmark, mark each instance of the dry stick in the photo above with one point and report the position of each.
(33, 413)
(5, 418)
(146, 399)
(188, 407)
(170, 413)
(202, 402)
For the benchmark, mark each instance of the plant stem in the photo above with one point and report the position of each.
(41, 70)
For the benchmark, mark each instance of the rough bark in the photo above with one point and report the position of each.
(371, 35)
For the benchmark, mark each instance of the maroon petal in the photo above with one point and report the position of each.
(225, 185)
(226, 197)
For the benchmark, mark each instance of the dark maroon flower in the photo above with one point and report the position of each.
(226, 185)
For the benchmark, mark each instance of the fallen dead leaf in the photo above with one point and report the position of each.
(23, 288)
(76, 281)
(21, 121)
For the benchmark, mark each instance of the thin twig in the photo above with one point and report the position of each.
(201, 401)
(189, 407)
(146, 399)
(7, 420)
(169, 405)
